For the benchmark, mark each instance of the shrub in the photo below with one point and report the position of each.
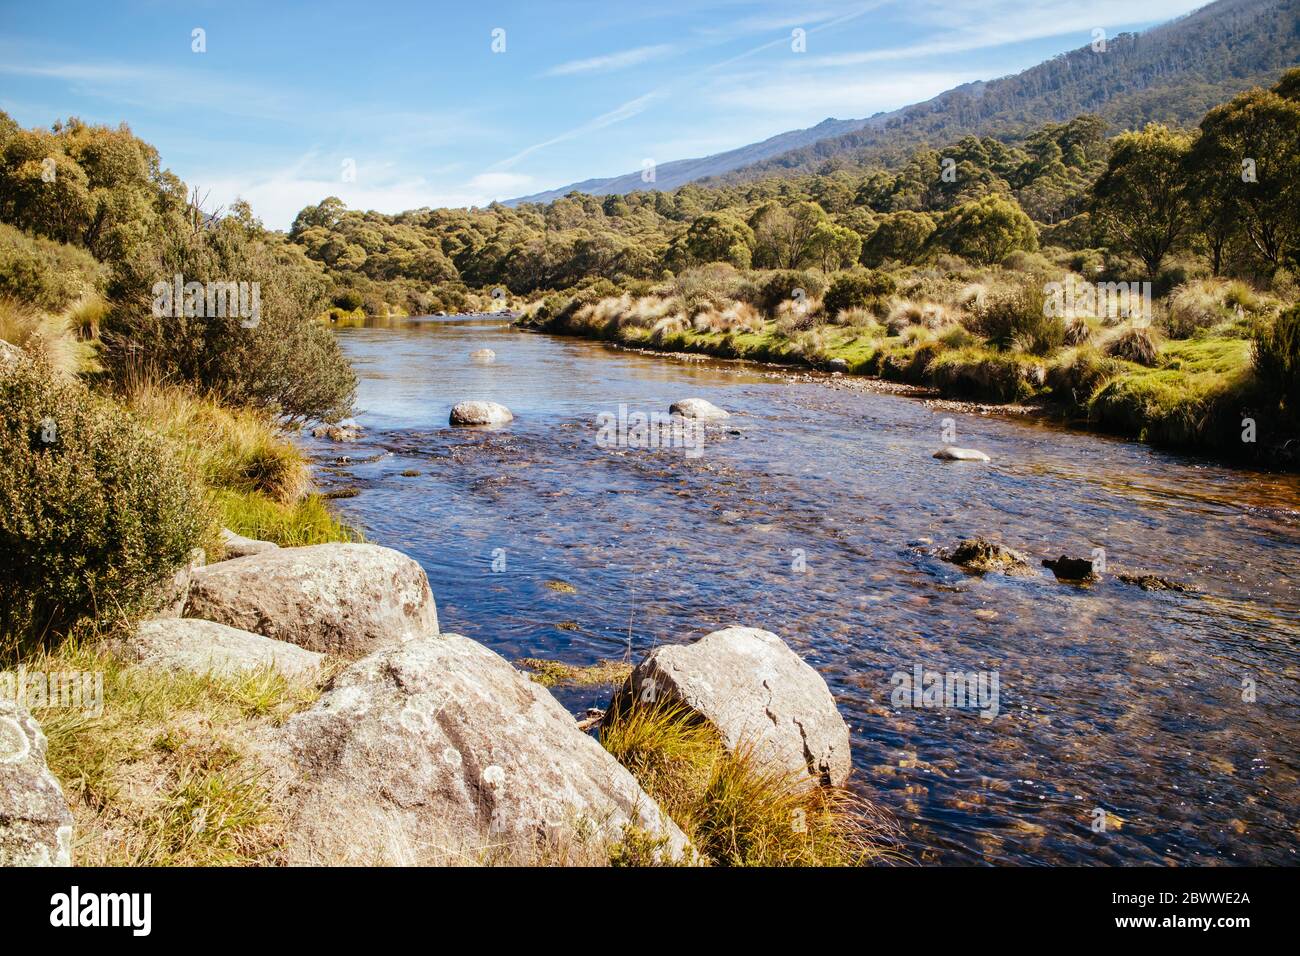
(95, 509)
(858, 290)
(1015, 317)
(780, 287)
(48, 274)
(287, 364)
(1137, 343)
(1277, 357)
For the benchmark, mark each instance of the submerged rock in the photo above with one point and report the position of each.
(1156, 582)
(340, 433)
(1071, 569)
(36, 825)
(479, 414)
(237, 546)
(756, 693)
(342, 599)
(953, 453)
(206, 647)
(698, 408)
(981, 555)
(440, 752)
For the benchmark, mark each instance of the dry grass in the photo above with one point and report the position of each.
(51, 338)
(236, 449)
(167, 774)
(737, 813)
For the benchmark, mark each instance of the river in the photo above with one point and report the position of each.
(1173, 719)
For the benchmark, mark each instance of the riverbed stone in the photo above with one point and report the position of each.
(698, 408)
(440, 752)
(1148, 581)
(237, 546)
(342, 599)
(757, 693)
(480, 414)
(206, 647)
(953, 453)
(1072, 569)
(36, 825)
(338, 433)
(980, 555)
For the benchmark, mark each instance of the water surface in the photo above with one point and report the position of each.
(1110, 697)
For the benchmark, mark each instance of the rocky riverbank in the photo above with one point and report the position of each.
(420, 746)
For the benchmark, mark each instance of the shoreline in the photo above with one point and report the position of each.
(1279, 458)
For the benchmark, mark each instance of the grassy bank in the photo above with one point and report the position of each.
(1184, 376)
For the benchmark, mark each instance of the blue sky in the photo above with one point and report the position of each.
(414, 97)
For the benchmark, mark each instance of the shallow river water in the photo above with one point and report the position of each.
(814, 513)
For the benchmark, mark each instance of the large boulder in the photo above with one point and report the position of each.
(343, 599)
(439, 752)
(477, 414)
(756, 692)
(237, 546)
(698, 408)
(203, 647)
(35, 822)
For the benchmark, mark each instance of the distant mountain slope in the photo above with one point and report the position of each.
(669, 176)
(1172, 73)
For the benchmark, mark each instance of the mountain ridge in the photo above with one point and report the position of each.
(1170, 73)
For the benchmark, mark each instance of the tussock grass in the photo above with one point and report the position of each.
(167, 774)
(48, 337)
(735, 812)
(238, 449)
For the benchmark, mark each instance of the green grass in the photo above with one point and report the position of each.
(735, 812)
(307, 521)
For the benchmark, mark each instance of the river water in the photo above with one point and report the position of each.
(1173, 719)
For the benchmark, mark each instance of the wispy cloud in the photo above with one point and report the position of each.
(623, 111)
(612, 61)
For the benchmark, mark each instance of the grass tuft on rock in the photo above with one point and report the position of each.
(735, 812)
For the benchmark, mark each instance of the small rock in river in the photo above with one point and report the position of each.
(478, 414)
(1071, 569)
(952, 453)
(979, 555)
(698, 408)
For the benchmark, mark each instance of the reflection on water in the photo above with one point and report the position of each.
(1111, 697)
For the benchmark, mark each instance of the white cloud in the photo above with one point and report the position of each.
(611, 61)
